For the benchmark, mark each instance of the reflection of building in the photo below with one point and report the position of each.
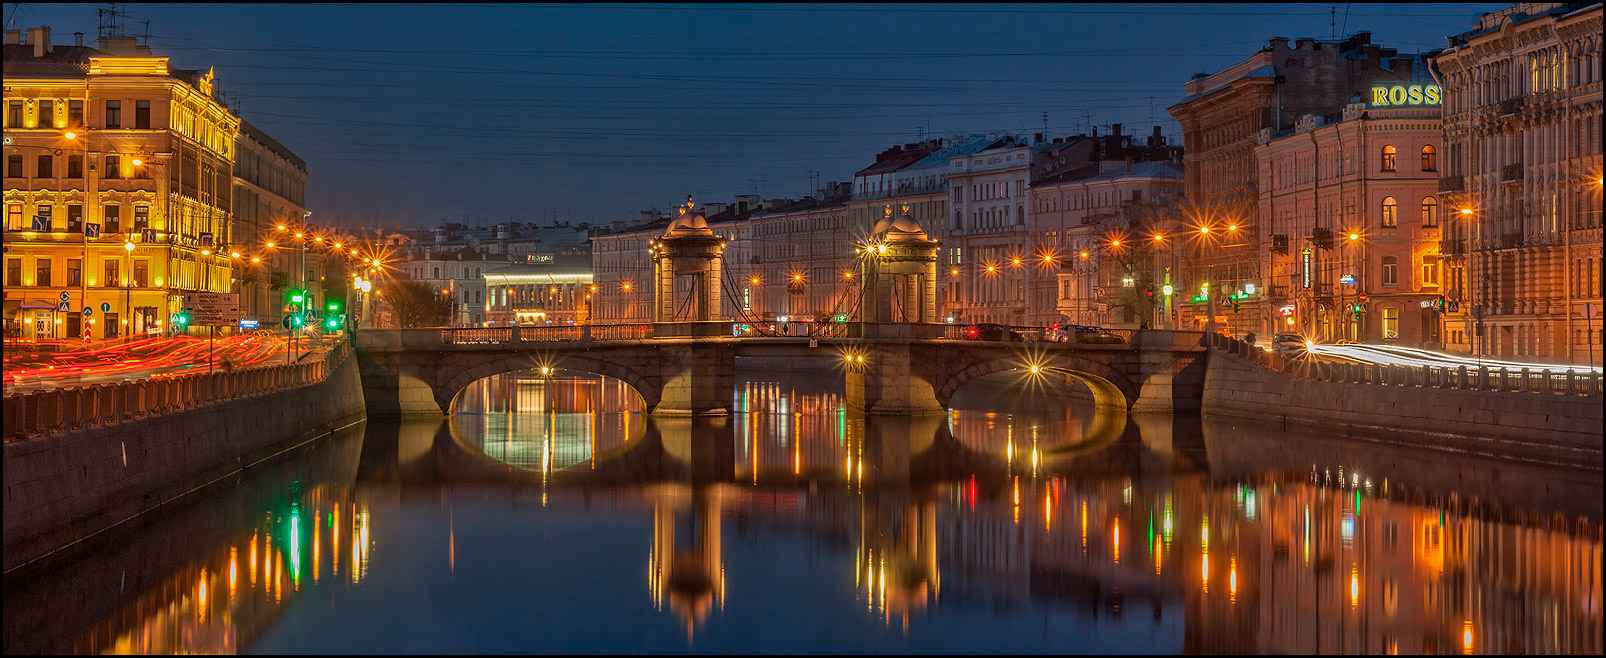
(687, 569)
(540, 423)
(897, 557)
(108, 148)
(1522, 135)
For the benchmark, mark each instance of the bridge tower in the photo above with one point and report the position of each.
(687, 261)
(898, 273)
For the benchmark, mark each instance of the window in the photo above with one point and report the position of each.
(46, 167)
(1391, 271)
(111, 280)
(45, 212)
(41, 275)
(111, 218)
(75, 113)
(141, 271)
(14, 114)
(14, 217)
(142, 114)
(114, 167)
(1388, 158)
(75, 272)
(1430, 212)
(75, 218)
(1430, 272)
(13, 271)
(1391, 212)
(47, 114)
(142, 217)
(1429, 161)
(114, 114)
(14, 166)
(75, 166)
(1391, 323)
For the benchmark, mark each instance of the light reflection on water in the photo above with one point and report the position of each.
(967, 535)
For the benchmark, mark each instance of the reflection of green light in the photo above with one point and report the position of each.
(1357, 500)
(1150, 543)
(295, 549)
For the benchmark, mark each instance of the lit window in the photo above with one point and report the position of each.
(1389, 154)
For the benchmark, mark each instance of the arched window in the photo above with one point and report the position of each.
(1388, 157)
(1429, 159)
(1430, 212)
(1391, 212)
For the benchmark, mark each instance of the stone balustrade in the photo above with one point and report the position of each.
(44, 413)
(1558, 382)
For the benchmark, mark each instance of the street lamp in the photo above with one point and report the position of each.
(128, 260)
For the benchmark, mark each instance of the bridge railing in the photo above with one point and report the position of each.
(44, 413)
(542, 334)
(1531, 380)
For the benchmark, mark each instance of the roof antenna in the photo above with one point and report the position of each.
(1045, 126)
(1332, 21)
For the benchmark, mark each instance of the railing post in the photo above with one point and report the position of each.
(1544, 380)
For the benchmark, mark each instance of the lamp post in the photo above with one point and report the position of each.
(128, 259)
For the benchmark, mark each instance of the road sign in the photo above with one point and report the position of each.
(213, 309)
(41, 223)
(1099, 292)
(1477, 313)
(88, 311)
(63, 307)
(248, 324)
(64, 295)
(105, 307)
(91, 230)
(147, 235)
(814, 342)
(1589, 310)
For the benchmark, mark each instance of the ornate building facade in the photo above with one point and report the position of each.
(117, 187)
(1523, 139)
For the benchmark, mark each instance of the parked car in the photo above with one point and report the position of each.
(1288, 344)
(1097, 336)
(990, 331)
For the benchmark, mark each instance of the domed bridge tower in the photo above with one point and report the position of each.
(687, 261)
(898, 273)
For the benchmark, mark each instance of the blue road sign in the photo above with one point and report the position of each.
(64, 295)
(91, 230)
(105, 307)
(248, 324)
(63, 306)
(88, 311)
(41, 223)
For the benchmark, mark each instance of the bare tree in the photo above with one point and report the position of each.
(417, 304)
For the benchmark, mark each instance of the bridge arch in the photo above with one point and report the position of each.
(1111, 388)
(447, 394)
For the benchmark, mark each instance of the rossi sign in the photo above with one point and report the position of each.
(1401, 95)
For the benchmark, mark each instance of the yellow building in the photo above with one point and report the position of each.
(118, 182)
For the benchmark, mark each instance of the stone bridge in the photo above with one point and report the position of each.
(413, 372)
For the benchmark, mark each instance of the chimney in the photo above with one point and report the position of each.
(78, 39)
(1279, 42)
(13, 37)
(1037, 138)
(1115, 129)
(40, 38)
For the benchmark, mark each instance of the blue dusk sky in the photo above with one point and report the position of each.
(411, 114)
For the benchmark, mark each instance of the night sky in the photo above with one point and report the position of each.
(414, 114)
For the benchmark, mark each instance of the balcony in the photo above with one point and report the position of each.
(1279, 244)
(1452, 184)
(1455, 247)
(1322, 237)
(1512, 106)
(1511, 173)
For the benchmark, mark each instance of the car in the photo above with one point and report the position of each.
(1097, 336)
(991, 331)
(1057, 333)
(1288, 344)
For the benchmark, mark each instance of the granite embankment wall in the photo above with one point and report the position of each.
(1548, 428)
(66, 486)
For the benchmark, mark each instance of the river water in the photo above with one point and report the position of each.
(551, 515)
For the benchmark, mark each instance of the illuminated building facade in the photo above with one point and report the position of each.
(270, 187)
(1522, 132)
(1222, 116)
(1364, 186)
(987, 192)
(802, 259)
(118, 187)
(557, 292)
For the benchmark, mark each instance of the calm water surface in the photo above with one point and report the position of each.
(552, 515)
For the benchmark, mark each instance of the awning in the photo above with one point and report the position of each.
(39, 303)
